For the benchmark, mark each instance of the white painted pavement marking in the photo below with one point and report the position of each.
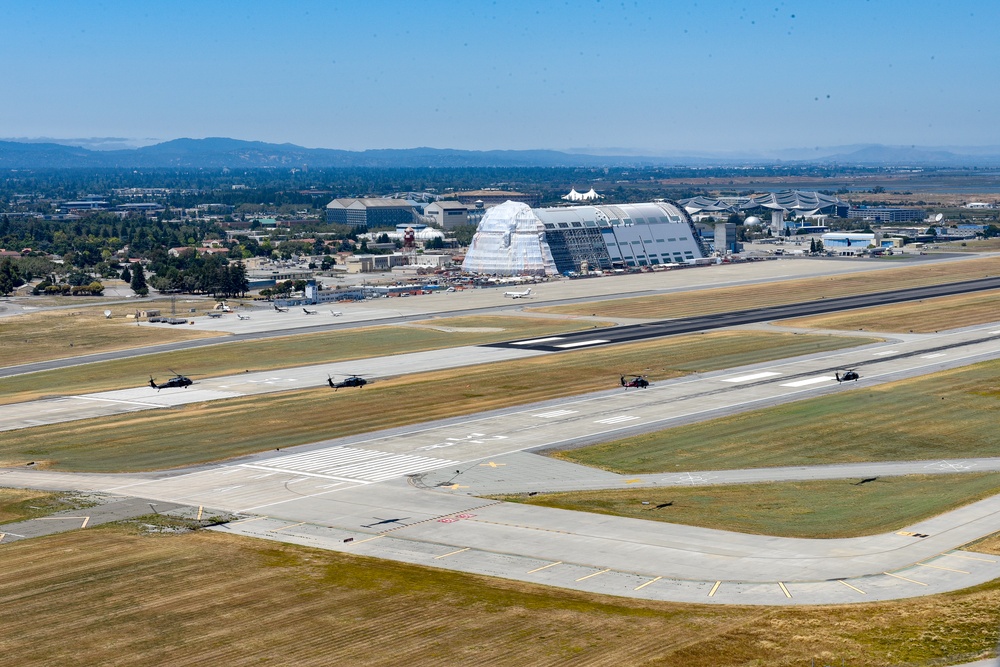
(352, 464)
(932, 356)
(755, 376)
(538, 340)
(885, 352)
(994, 332)
(112, 400)
(803, 383)
(949, 465)
(688, 478)
(555, 413)
(616, 420)
(595, 341)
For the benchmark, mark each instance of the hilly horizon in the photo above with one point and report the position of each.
(224, 152)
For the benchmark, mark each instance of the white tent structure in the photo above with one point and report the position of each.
(509, 241)
(586, 196)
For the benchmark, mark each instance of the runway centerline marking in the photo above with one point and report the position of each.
(753, 376)
(535, 341)
(933, 356)
(885, 352)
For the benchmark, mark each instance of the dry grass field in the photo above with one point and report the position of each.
(949, 414)
(814, 509)
(22, 504)
(113, 596)
(221, 429)
(924, 316)
(284, 352)
(705, 302)
(47, 335)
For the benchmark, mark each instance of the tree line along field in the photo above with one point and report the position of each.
(203, 432)
(724, 299)
(125, 597)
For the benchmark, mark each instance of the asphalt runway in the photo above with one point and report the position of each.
(413, 494)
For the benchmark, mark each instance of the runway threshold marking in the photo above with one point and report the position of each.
(882, 354)
(784, 590)
(651, 581)
(555, 413)
(616, 420)
(451, 553)
(853, 588)
(985, 560)
(754, 376)
(535, 341)
(711, 593)
(947, 569)
(544, 567)
(897, 576)
(596, 341)
(594, 574)
(803, 383)
(933, 356)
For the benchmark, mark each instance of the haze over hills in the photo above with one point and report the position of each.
(217, 152)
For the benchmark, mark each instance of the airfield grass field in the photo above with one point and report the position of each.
(924, 316)
(47, 335)
(284, 352)
(723, 299)
(948, 414)
(202, 432)
(813, 509)
(23, 504)
(204, 597)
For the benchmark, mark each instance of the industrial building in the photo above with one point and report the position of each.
(514, 239)
(884, 214)
(370, 212)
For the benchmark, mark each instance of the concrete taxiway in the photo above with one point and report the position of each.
(413, 494)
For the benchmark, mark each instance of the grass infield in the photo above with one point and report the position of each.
(284, 352)
(813, 509)
(110, 595)
(949, 414)
(215, 430)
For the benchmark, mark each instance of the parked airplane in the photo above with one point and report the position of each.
(336, 313)
(280, 309)
(243, 317)
(213, 314)
(518, 295)
(310, 312)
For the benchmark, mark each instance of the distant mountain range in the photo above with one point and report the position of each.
(217, 153)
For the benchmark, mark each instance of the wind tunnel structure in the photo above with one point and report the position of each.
(510, 241)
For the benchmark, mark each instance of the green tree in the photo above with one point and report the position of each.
(126, 275)
(138, 283)
(10, 276)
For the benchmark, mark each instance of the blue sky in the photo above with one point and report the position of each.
(650, 77)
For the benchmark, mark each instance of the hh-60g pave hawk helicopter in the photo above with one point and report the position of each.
(847, 376)
(349, 381)
(635, 382)
(177, 380)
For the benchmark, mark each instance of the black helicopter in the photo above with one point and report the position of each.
(635, 382)
(349, 381)
(177, 380)
(847, 376)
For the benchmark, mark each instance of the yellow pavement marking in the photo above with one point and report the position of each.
(711, 593)
(784, 590)
(539, 569)
(451, 553)
(491, 464)
(455, 486)
(594, 574)
(938, 567)
(369, 539)
(291, 525)
(86, 519)
(256, 518)
(853, 588)
(200, 508)
(633, 481)
(912, 581)
(2, 535)
(651, 581)
(985, 560)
